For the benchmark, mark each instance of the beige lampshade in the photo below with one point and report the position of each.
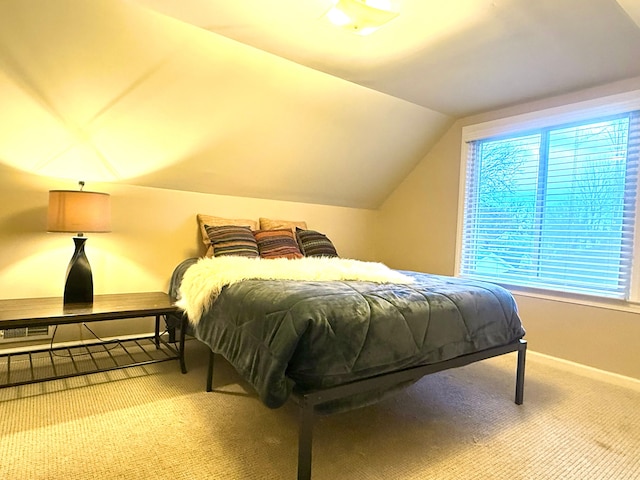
(78, 211)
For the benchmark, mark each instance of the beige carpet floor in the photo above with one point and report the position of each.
(155, 423)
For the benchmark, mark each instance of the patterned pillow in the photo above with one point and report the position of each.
(315, 244)
(232, 240)
(277, 244)
(204, 220)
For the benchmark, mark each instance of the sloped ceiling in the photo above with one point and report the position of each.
(265, 99)
(457, 57)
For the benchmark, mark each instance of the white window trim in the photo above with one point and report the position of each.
(575, 112)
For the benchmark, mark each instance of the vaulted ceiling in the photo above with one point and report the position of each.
(266, 99)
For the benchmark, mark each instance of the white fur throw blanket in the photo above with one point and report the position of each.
(203, 281)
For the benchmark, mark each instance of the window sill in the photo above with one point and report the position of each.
(584, 301)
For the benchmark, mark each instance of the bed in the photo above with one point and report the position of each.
(334, 345)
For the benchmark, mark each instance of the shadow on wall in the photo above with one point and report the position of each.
(18, 230)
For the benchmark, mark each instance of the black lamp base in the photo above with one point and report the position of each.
(78, 287)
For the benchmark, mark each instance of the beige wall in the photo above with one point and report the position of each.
(416, 229)
(153, 230)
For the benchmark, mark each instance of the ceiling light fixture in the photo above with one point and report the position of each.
(362, 17)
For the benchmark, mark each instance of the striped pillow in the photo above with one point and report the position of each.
(277, 244)
(204, 220)
(315, 244)
(232, 240)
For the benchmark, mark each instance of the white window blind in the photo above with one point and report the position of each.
(554, 208)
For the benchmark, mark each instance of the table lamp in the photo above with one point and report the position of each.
(78, 211)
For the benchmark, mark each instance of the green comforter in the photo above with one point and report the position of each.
(281, 334)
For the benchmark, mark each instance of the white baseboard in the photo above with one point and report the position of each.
(586, 370)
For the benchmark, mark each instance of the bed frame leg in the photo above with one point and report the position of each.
(183, 333)
(522, 353)
(305, 437)
(210, 372)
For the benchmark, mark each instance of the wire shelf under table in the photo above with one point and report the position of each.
(39, 365)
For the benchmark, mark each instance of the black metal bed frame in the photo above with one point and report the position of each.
(308, 400)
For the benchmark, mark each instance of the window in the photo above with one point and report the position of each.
(553, 207)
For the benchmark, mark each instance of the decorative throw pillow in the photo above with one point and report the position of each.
(277, 244)
(269, 224)
(232, 240)
(204, 220)
(315, 244)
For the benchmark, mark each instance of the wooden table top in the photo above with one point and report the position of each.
(50, 310)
